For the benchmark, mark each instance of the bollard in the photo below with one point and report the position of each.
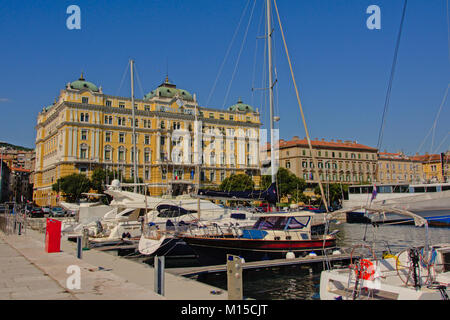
(159, 275)
(79, 248)
(234, 277)
(85, 239)
(20, 229)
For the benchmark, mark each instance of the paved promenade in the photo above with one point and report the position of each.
(28, 272)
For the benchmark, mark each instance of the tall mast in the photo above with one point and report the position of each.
(133, 126)
(269, 47)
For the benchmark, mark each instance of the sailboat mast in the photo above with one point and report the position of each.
(269, 47)
(134, 125)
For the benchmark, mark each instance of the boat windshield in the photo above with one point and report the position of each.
(281, 223)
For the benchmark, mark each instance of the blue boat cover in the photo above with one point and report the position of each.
(253, 234)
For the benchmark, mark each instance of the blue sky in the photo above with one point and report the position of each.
(342, 68)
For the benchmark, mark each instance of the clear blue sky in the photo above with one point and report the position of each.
(342, 67)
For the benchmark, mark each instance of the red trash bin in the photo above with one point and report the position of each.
(53, 236)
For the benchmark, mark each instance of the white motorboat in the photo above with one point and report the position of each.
(430, 201)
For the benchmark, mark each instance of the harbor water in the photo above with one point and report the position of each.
(302, 282)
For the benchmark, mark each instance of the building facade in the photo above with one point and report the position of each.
(399, 168)
(345, 162)
(179, 144)
(435, 167)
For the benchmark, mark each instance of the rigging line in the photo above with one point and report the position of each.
(437, 116)
(448, 31)
(139, 81)
(123, 78)
(324, 200)
(239, 55)
(227, 53)
(445, 138)
(256, 52)
(301, 109)
(388, 93)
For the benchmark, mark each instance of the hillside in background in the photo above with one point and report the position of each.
(8, 145)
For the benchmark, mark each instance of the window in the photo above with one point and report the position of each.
(147, 108)
(121, 154)
(147, 155)
(83, 134)
(108, 103)
(146, 139)
(108, 137)
(83, 151)
(108, 119)
(122, 105)
(222, 117)
(85, 100)
(231, 118)
(212, 176)
(121, 137)
(108, 153)
(222, 176)
(147, 174)
(288, 164)
(163, 124)
(211, 115)
(84, 117)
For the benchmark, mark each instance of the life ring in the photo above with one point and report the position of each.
(364, 269)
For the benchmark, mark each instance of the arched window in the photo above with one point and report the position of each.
(121, 154)
(108, 153)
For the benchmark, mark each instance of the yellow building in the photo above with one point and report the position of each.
(435, 167)
(178, 142)
(399, 168)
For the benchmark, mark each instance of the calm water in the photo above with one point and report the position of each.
(302, 282)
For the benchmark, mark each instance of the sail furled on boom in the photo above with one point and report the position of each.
(269, 195)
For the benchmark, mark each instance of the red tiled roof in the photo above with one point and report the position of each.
(324, 144)
(20, 169)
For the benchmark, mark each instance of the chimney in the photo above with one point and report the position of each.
(295, 138)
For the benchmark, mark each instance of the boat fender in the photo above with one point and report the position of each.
(290, 255)
(312, 254)
(336, 252)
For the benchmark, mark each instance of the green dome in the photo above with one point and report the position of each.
(241, 107)
(169, 90)
(81, 84)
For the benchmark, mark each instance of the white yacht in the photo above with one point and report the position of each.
(418, 273)
(430, 201)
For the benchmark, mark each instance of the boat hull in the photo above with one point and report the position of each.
(215, 250)
(437, 218)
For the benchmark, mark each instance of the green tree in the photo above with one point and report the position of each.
(237, 182)
(98, 179)
(287, 183)
(73, 186)
(334, 191)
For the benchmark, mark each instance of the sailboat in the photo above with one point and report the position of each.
(274, 235)
(416, 273)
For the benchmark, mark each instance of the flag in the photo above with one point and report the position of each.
(374, 193)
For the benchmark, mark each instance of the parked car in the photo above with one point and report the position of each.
(57, 212)
(46, 210)
(71, 213)
(36, 213)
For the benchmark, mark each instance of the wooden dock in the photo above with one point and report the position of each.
(192, 271)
